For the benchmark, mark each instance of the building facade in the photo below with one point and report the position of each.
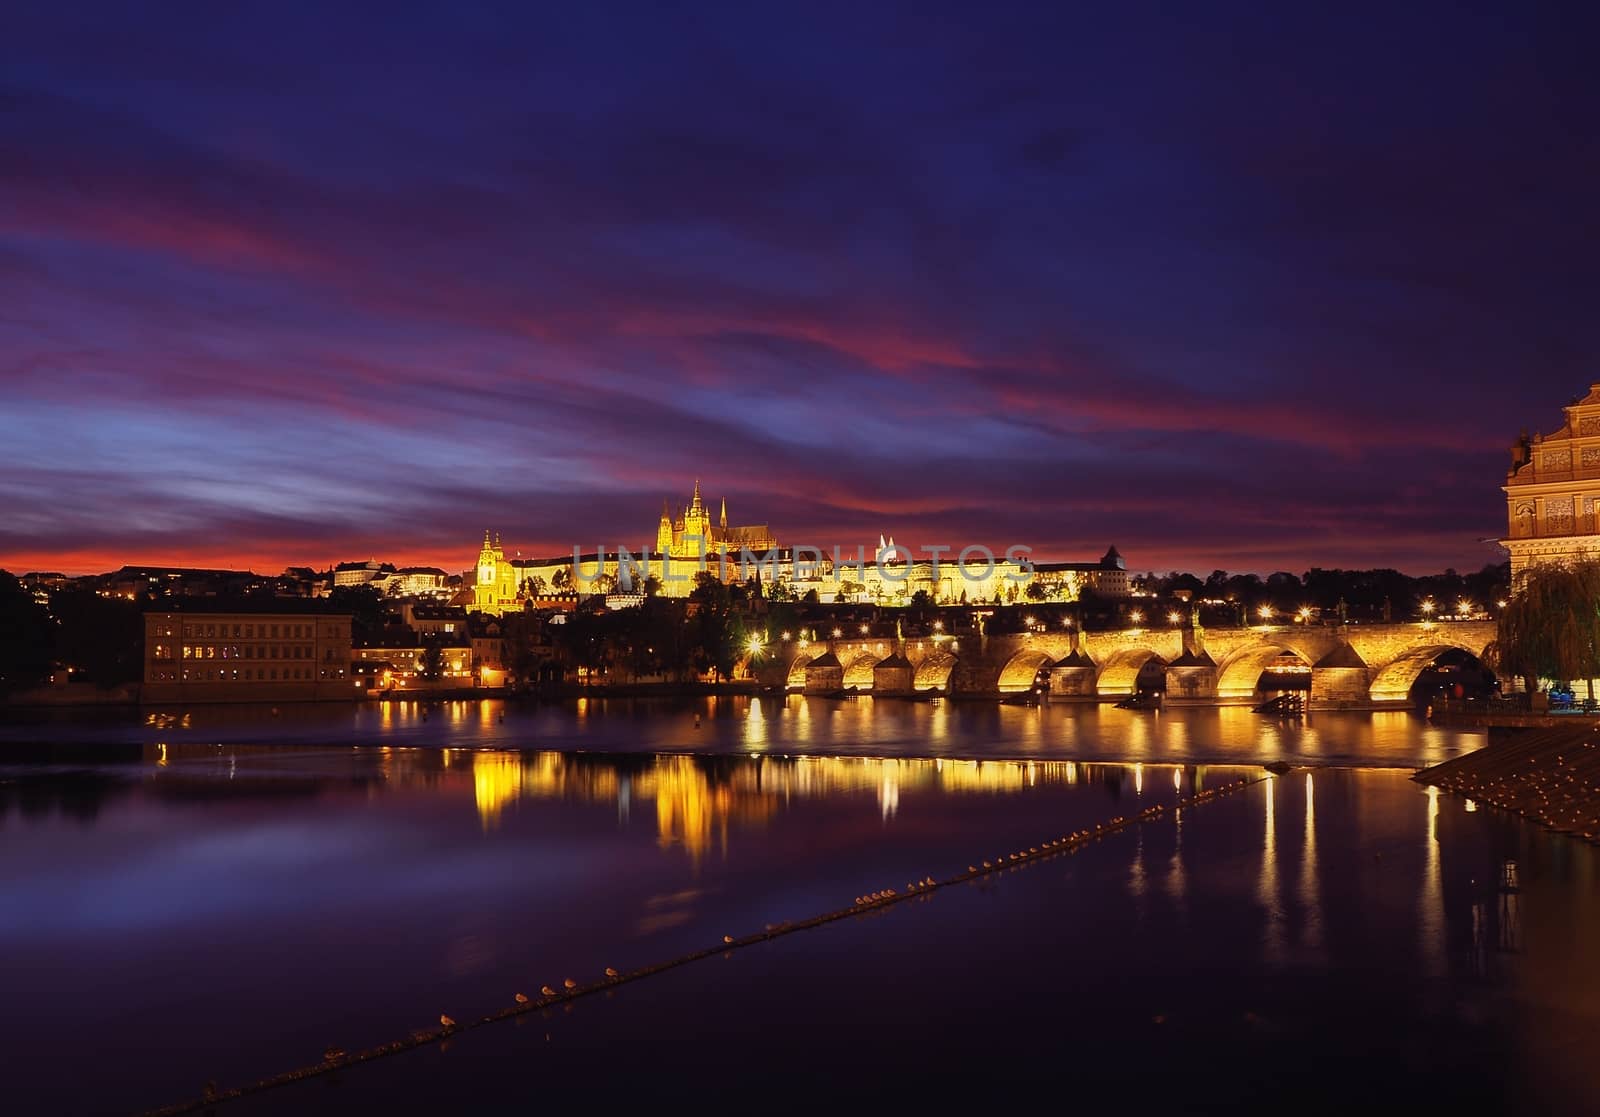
(420, 581)
(1553, 489)
(363, 573)
(402, 667)
(1068, 580)
(205, 656)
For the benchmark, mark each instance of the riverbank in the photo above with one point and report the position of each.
(1550, 775)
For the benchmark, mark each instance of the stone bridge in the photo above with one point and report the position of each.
(1350, 665)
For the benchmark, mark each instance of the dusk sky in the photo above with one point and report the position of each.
(1236, 286)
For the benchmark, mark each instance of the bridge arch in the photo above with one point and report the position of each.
(1120, 671)
(858, 673)
(797, 669)
(1392, 684)
(1021, 671)
(1238, 673)
(934, 672)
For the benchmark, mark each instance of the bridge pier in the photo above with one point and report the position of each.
(1070, 679)
(893, 675)
(825, 675)
(1191, 677)
(1340, 680)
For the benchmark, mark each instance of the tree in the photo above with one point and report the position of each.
(430, 665)
(535, 586)
(561, 580)
(1036, 591)
(715, 634)
(1551, 627)
(710, 592)
(101, 637)
(523, 648)
(652, 586)
(369, 613)
(25, 636)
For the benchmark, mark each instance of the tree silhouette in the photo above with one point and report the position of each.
(430, 664)
(1551, 627)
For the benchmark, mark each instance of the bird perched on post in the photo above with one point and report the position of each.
(547, 991)
(446, 1021)
(610, 972)
(522, 998)
(570, 984)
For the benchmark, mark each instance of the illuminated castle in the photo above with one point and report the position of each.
(675, 557)
(693, 534)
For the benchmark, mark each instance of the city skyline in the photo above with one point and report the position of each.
(1075, 281)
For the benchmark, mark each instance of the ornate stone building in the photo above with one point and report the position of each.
(1552, 490)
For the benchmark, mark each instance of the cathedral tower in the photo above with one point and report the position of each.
(664, 531)
(697, 524)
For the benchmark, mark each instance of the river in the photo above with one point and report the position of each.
(223, 898)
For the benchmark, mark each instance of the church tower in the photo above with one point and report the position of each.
(490, 559)
(724, 522)
(664, 532)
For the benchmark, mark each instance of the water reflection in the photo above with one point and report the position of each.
(796, 724)
(1310, 902)
(695, 799)
(1267, 879)
(1430, 904)
(383, 885)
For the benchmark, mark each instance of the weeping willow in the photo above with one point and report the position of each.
(1551, 627)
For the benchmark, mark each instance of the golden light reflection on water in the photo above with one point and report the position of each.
(1430, 904)
(755, 727)
(1310, 900)
(1267, 882)
(695, 801)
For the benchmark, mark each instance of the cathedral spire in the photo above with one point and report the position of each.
(724, 511)
(696, 505)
